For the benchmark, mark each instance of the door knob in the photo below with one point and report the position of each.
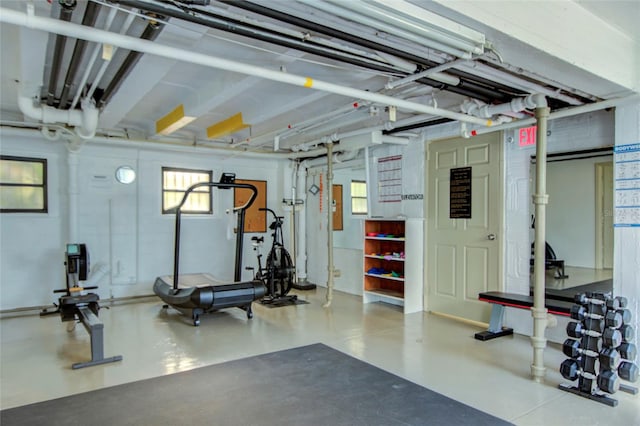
(491, 237)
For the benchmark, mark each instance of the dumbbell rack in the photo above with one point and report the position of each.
(603, 353)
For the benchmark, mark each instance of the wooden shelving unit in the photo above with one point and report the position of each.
(391, 274)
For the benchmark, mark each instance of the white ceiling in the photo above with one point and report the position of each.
(297, 115)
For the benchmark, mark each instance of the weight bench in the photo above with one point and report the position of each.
(500, 300)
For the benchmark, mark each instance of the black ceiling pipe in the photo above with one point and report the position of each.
(240, 28)
(332, 32)
(420, 125)
(309, 25)
(66, 12)
(89, 18)
(151, 31)
(466, 89)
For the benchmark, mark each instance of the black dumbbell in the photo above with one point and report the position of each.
(611, 318)
(601, 299)
(608, 381)
(609, 357)
(626, 315)
(610, 336)
(628, 351)
(628, 333)
(628, 371)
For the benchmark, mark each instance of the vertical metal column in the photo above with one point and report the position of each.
(540, 200)
(329, 224)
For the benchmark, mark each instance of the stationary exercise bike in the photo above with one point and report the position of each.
(278, 275)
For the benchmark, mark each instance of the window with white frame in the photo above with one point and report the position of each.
(23, 185)
(358, 197)
(175, 183)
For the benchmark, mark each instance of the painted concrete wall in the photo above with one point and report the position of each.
(130, 241)
(348, 244)
(626, 252)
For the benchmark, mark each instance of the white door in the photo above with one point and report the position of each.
(463, 255)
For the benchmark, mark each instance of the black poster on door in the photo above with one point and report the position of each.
(460, 193)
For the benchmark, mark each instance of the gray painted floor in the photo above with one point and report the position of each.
(437, 353)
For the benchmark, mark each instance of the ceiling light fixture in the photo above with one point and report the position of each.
(173, 121)
(226, 127)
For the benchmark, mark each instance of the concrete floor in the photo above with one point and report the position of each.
(440, 354)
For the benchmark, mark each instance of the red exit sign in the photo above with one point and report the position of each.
(528, 136)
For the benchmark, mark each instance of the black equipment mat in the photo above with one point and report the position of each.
(309, 385)
(280, 302)
(568, 294)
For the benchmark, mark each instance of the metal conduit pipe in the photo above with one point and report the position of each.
(145, 46)
(105, 64)
(92, 60)
(301, 245)
(426, 73)
(72, 192)
(66, 12)
(471, 82)
(567, 112)
(151, 32)
(386, 128)
(89, 18)
(241, 28)
(330, 266)
(420, 125)
(361, 13)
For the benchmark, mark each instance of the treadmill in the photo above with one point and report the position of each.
(200, 293)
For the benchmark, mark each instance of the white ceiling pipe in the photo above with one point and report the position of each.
(84, 121)
(567, 112)
(411, 68)
(293, 128)
(371, 16)
(490, 73)
(299, 10)
(100, 36)
(395, 140)
(431, 73)
(386, 126)
(298, 35)
(480, 109)
(440, 28)
(160, 145)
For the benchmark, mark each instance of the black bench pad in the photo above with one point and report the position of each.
(523, 301)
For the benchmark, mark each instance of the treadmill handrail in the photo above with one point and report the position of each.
(240, 232)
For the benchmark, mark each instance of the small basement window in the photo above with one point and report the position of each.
(23, 185)
(175, 183)
(358, 197)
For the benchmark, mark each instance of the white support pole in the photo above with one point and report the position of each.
(329, 224)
